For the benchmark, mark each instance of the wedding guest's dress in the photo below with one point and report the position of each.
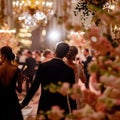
(9, 103)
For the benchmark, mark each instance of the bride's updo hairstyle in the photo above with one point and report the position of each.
(73, 51)
(7, 52)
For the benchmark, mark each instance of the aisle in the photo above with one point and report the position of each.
(30, 110)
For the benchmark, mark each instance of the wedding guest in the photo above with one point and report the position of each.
(78, 70)
(23, 56)
(29, 70)
(48, 55)
(18, 56)
(22, 59)
(53, 71)
(37, 56)
(78, 61)
(10, 82)
(85, 65)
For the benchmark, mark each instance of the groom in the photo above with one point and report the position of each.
(53, 71)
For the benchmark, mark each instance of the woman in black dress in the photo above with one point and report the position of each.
(10, 81)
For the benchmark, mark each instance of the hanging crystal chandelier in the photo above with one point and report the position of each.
(30, 13)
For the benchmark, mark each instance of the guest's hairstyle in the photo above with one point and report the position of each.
(29, 52)
(61, 49)
(47, 52)
(73, 51)
(38, 52)
(87, 50)
(7, 52)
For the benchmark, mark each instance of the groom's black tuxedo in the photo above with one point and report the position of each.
(52, 71)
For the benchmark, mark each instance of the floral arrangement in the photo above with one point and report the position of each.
(105, 69)
(77, 39)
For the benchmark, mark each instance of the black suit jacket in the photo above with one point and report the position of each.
(86, 63)
(30, 64)
(52, 71)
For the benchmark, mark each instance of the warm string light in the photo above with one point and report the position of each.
(7, 37)
(7, 31)
(24, 37)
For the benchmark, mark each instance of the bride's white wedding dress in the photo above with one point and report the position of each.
(93, 86)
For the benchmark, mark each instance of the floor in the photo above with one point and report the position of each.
(30, 110)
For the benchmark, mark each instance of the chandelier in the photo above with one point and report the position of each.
(30, 13)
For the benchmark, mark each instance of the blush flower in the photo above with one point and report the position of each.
(76, 92)
(56, 113)
(94, 31)
(89, 97)
(64, 89)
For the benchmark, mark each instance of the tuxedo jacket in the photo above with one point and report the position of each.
(86, 63)
(30, 65)
(53, 71)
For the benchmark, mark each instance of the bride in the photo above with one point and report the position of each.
(78, 70)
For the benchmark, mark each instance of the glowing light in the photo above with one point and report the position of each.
(7, 31)
(54, 35)
(26, 42)
(82, 33)
(94, 39)
(43, 32)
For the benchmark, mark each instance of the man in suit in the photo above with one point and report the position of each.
(53, 71)
(85, 65)
(29, 69)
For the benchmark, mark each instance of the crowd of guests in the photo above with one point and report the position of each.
(28, 61)
(42, 68)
